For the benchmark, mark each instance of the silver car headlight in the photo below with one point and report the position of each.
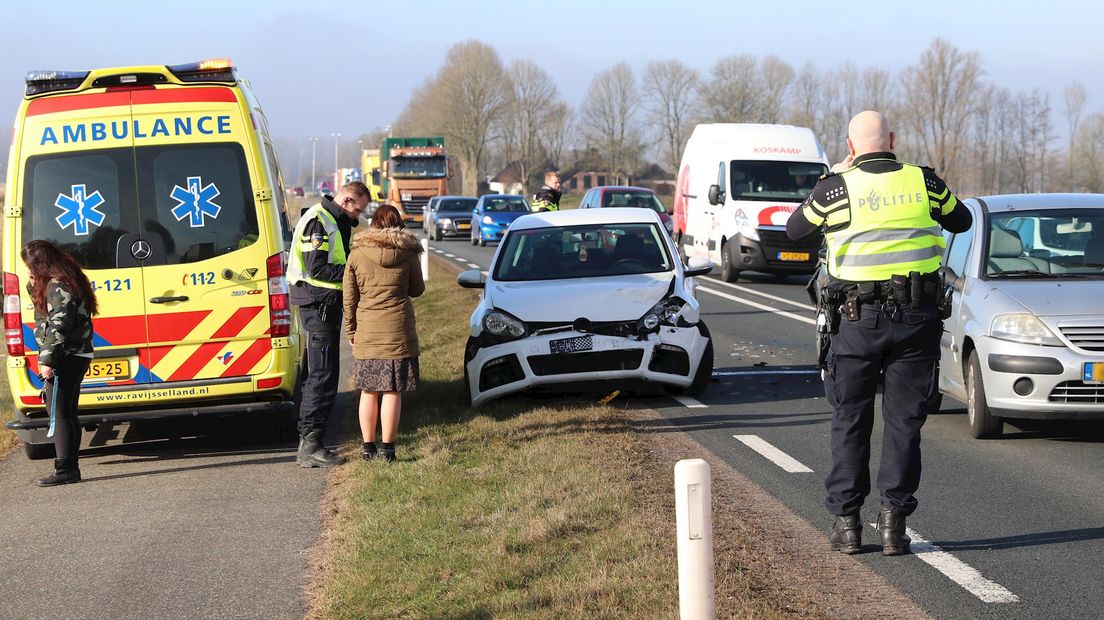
(502, 326)
(444, 222)
(746, 226)
(1023, 327)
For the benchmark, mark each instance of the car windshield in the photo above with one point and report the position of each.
(504, 204)
(774, 180)
(619, 198)
(418, 167)
(594, 250)
(1046, 243)
(458, 204)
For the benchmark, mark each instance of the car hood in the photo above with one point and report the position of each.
(615, 298)
(465, 213)
(1055, 297)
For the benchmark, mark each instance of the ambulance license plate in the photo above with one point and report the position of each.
(571, 345)
(1094, 372)
(796, 256)
(103, 370)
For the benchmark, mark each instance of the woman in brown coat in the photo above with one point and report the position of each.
(383, 273)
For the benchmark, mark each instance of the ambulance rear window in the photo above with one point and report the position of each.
(202, 202)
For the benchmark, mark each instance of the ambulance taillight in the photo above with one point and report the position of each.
(279, 307)
(13, 320)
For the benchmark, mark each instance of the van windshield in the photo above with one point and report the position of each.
(774, 180)
(189, 202)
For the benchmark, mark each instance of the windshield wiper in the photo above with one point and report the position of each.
(1078, 274)
(1019, 272)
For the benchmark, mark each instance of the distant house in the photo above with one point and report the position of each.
(651, 176)
(507, 181)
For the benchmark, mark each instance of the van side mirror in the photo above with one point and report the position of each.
(697, 267)
(472, 278)
(716, 196)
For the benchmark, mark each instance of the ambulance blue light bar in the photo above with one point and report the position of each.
(39, 82)
(212, 70)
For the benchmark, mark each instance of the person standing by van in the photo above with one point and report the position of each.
(64, 303)
(548, 197)
(383, 274)
(320, 245)
(882, 219)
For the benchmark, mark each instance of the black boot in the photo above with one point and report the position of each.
(368, 451)
(846, 536)
(387, 452)
(313, 454)
(891, 524)
(65, 472)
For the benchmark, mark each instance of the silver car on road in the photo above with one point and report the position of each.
(1026, 335)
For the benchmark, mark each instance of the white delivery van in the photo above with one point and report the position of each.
(737, 185)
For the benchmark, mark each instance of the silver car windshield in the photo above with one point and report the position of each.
(582, 252)
(1046, 243)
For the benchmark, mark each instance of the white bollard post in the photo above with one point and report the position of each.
(694, 528)
(425, 259)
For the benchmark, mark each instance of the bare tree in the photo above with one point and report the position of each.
(776, 77)
(939, 91)
(670, 98)
(732, 96)
(1075, 105)
(608, 118)
(557, 132)
(532, 102)
(1089, 153)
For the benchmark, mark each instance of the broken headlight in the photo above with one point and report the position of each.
(666, 312)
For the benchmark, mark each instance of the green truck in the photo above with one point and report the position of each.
(413, 170)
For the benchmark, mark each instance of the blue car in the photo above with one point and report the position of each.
(493, 214)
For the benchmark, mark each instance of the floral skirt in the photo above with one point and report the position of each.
(399, 375)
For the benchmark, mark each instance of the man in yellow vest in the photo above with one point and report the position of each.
(882, 223)
(316, 267)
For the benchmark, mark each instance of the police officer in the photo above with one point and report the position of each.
(320, 245)
(882, 223)
(548, 197)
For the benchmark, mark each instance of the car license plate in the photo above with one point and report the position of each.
(102, 370)
(802, 256)
(1094, 372)
(463, 227)
(572, 345)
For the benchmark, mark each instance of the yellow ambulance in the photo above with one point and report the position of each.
(163, 183)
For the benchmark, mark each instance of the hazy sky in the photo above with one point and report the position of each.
(321, 66)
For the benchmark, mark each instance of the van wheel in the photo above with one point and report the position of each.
(983, 424)
(728, 272)
(39, 451)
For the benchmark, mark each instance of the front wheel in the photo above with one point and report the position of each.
(482, 241)
(729, 273)
(473, 241)
(983, 424)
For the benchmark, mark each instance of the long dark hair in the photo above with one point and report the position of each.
(387, 216)
(47, 261)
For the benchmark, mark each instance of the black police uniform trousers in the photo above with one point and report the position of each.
(323, 328)
(899, 345)
(62, 394)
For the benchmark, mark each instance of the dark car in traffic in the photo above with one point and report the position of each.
(449, 216)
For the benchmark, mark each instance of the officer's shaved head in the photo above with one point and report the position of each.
(869, 132)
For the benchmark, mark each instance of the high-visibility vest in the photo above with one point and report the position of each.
(890, 231)
(296, 271)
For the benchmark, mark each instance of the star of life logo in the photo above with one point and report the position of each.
(81, 210)
(196, 202)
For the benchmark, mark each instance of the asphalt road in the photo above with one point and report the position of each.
(1014, 528)
(191, 518)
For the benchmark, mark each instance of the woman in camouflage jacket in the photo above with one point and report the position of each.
(64, 303)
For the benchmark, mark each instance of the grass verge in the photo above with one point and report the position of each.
(523, 509)
(8, 440)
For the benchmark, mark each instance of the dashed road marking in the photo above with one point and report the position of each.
(450, 255)
(773, 454)
(760, 293)
(473, 265)
(754, 304)
(692, 403)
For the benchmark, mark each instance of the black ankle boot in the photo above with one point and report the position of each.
(891, 524)
(368, 451)
(846, 536)
(387, 452)
(65, 472)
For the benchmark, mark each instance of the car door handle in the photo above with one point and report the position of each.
(165, 300)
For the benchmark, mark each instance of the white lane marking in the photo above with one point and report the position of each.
(437, 250)
(773, 454)
(686, 401)
(737, 373)
(753, 304)
(760, 293)
(473, 265)
(957, 571)
(450, 255)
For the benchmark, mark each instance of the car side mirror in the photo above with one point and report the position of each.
(697, 267)
(472, 278)
(716, 196)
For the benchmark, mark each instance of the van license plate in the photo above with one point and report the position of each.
(101, 370)
(1094, 372)
(572, 345)
(801, 256)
